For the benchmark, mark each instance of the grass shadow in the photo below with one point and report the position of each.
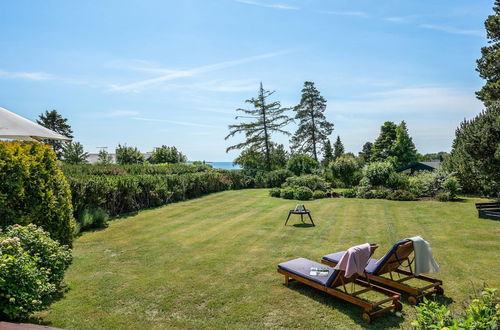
(303, 225)
(39, 320)
(387, 320)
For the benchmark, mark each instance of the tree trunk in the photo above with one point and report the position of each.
(315, 154)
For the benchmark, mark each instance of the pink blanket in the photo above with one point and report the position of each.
(354, 260)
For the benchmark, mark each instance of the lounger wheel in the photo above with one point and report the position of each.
(439, 291)
(413, 300)
(398, 306)
(366, 317)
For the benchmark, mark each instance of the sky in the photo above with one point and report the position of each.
(149, 73)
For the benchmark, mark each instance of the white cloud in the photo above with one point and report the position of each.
(173, 122)
(26, 75)
(260, 4)
(453, 30)
(189, 73)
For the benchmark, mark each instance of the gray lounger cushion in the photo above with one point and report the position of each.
(302, 267)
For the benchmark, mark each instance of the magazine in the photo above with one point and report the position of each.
(319, 271)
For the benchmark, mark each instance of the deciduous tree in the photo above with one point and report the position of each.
(57, 123)
(73, 153)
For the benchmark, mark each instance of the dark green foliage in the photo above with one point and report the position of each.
(92, 218)
(401, 195)
(268, 118)
(349, 193)
(253, 161)
(55, 122)
(318, 194)
(73, 153)
(302, 193)
(366, 153)
(452, 186)
(275, 192)
(128, 155)
(287, 193)
(166, 154)
(272, 179)
(301, 164)
(346, 169)
(34, 190)
(135, 169)
(433, 157)
(403, 150)
(488, 65)
(327, 153)
(104, 157)
(475, 155)
(314, 129)
(383, 144)
(397, 181)
(32, 267)
(313, 182)
(338, 148)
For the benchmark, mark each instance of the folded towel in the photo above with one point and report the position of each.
(354, 260)
(424, 262)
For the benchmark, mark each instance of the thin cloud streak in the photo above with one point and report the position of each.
(114, 114)
(27, 75)
(190, 72)
(274, 6)
(452, 30)
(174, 122)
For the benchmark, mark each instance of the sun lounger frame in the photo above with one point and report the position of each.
(392, 265)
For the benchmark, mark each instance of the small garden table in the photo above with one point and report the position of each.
(301, 212)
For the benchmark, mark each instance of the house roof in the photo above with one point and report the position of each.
(425, 165)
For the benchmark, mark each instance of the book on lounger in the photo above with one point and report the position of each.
(319, 271)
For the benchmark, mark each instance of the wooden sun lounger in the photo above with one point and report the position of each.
(392, 264)
(335, 284)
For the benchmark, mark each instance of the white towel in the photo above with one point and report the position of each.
(424, 262)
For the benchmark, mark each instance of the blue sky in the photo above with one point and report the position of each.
(148, 73)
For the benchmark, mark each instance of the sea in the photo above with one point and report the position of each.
(225, 165)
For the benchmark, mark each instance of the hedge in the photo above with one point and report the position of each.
(34, 190)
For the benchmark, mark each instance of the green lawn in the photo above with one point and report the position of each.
(211, 262)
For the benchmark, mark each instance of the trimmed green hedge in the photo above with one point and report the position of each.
(34, 190)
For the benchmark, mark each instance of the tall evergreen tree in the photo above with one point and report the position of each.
(488, 65)
(338, 148)
(54, 121)
(314, 129)
(403, 150)
(382, 147)
(327, 153)
(268, 118)
(366, 152)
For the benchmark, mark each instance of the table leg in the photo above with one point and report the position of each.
(309, 214)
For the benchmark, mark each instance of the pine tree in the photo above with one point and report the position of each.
(488, 65)
(338, 148)
(104, 157)
(403, 150)
(73, 153)
(366, 152)
(327, 153)
(314, 129)
(55, 122)
(268, 118)
(382, 147)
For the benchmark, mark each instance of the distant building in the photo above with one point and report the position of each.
(94, 158)
(419, 166)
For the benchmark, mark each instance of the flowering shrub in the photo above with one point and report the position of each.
(32, 267)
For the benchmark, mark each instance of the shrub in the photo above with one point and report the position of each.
(34, 190)
(92, 218)
(275, 192)
(128, 155)
(444, 197)
(273, 178)
(166, 154)
(364, 193)
(346, 170)
(349, 193)
(318, 194)
(483, 313)
(333, 194)
(311, 181)
(425, 183)
(401, 195)
(452, 186)
(397, 181)
(302, 193)
(378, 173)
(32, 267)
(301, 164)
(287, 193)
(381, 193)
